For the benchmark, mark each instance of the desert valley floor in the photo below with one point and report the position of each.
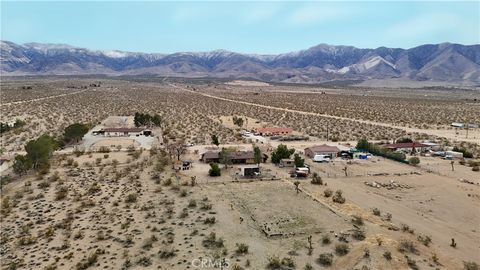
(123, 202)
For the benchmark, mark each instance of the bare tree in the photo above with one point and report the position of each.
(177, 148)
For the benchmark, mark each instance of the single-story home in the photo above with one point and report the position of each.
(124, 132)
(238, 157)
(271, 131)
(410, 147)
(323, 149)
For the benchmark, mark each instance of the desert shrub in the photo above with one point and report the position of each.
(61, 193)
(358, 235)
(241, 248)
(338, 198)
(214, 170)
(471, 266)
(426, 240)
(43, 184)
(206, 206)
(211, 241)
(412, 263)
(87, 262)
(167, 182)
(357, 220)
(104, 149)
(166, 252)
(376, 211)
(387, 255)
(414, 161)
(341, 249)
(407, 246)
(288, 262)
(131, 198)
(327, 193)
(316, 179)
(274, 262)
(325, 259)
(308, 267)
(192, 203)
(326, 239)
(406, 228)
(144, 261)
(210, 220)
(475, 168)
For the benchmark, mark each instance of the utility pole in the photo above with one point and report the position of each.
(467, 126)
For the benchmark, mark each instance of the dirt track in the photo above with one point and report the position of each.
(449, 134)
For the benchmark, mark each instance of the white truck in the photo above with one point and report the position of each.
(322, 158)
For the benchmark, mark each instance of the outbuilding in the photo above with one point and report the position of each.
(272, 131)
(323, 149)
(122, 132)
(249, 170)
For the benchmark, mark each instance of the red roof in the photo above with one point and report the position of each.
(274, 130)
(123, 129)
(405, 145)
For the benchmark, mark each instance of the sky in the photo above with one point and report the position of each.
(247, 27)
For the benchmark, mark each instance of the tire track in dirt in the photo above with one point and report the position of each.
(42, 98)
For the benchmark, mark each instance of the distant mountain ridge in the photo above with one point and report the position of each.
(432, 62)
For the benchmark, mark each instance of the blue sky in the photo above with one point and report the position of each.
(249, 27)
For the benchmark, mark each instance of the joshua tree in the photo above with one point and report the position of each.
(453, 244)
(310, 247)
(297, 183)
(345, 170)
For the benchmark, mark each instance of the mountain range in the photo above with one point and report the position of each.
(445, 62)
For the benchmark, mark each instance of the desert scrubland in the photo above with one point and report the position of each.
(131, 209)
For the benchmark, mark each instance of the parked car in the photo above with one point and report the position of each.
(322, 158)
(448, 157)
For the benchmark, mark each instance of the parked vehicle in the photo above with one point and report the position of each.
(448, 157)
(322, 158)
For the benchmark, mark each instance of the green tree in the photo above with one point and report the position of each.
(414, 161)
(215, 140)
(257, 155)
(281, 152)
(40, 150)
(75, 132)
(226, 156)
(214, 170)
(363, 144)
(21, 164)
(299, 162)
(157, 120)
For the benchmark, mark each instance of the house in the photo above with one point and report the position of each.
(210, 156)
(249, 170)
(323, 149)
(237, 157)
(287, 162)
(272, 131)
(123, 132)
(407, 147)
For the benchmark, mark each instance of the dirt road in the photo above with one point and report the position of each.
(43, 98)
(474, 136)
